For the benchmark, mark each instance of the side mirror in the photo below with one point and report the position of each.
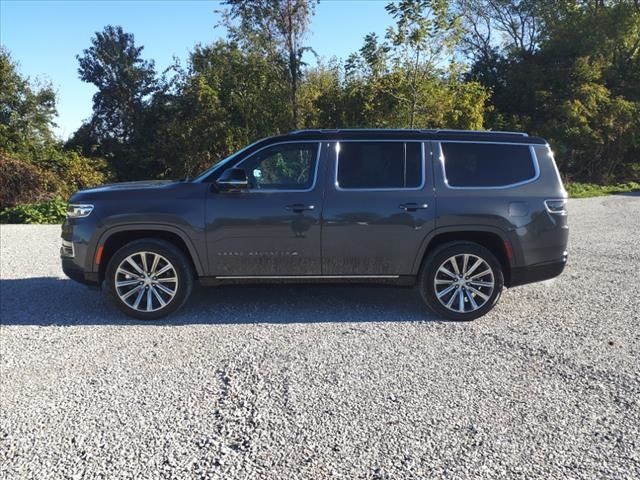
(233, 179)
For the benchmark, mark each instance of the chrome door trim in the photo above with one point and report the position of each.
(284, 277)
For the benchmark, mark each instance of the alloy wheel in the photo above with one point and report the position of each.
(464, 283)
(146, 281)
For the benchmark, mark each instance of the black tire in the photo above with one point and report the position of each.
(429, 274)
(170, 254)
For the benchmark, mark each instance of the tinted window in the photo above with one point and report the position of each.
(289, 166)
(380, 165)
(486, 164)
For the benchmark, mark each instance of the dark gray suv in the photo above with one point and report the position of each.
(459, 214)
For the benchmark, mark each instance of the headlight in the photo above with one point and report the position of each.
(78, 211)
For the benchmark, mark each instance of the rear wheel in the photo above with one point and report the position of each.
(149, 279)
(461, 281)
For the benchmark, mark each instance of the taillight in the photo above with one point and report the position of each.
(556, 206)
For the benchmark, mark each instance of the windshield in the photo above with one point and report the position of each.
(222, 162)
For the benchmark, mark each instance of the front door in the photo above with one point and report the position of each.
(379, 207)
(273, 228)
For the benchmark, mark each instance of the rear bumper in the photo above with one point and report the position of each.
(537, 272)
(72, 271)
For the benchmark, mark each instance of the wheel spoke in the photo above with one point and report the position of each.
(158, 297)
(130, 292)
(154, 264)
(143, 255)
(149, 300)
(443, 282)
(447, 272)
(122, 271)
(126, 283)
(453, 297)
(164, 269)
(472, 300)
(447, 290)
(135, 265)
(460, 300)
(478, 283)
(168, 279)
(479, 293)
(136, 304)
(474, 267)
(465, 262)
(454, 264)
(481, 274)
(164, 289)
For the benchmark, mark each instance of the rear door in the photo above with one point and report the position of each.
(379, 206)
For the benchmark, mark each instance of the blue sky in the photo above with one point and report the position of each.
(44, 37)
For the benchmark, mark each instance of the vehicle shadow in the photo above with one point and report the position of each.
(55, 301)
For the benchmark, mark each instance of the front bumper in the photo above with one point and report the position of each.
(72, 271)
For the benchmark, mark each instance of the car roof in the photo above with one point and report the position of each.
(411, 134)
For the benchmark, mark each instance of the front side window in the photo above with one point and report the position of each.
(487, 164)
(379, 165)
(288, 166)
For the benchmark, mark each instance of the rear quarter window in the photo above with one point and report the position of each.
(487, 164)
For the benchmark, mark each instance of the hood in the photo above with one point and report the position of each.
(125, 190)
(142, 185)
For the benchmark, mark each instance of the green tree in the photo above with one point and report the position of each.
(225, 99)
(26, 111)
(567, 70)
(125, 83)
(276, 28)
(424, 36)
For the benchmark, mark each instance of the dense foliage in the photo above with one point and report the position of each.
(34, 166)
(50, 211)
(568, 70)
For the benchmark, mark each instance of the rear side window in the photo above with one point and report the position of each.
(379, 165)
(486, 164)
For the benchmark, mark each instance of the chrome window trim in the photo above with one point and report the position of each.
(370, 140)
(534, 160)
(288, 190)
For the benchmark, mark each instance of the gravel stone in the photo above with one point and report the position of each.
(326, 381)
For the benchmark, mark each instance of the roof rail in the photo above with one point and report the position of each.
(451, 130)
(417, 130)
(333, 130)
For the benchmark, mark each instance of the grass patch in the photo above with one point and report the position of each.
(584, 190)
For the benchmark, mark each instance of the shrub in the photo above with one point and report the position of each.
(51, 211)
(20, 182)
(68, 171)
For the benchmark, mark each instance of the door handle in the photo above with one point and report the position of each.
(300, 207)
(412, 207)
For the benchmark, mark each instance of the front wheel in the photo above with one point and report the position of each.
(149, 279)
(461, 281)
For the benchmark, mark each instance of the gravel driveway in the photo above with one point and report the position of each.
(327, 381)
